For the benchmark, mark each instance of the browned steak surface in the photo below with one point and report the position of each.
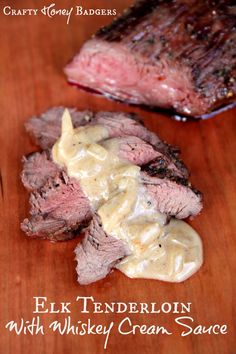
(174, 54)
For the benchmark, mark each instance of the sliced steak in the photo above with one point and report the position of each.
(171, 195)
(45, 227)
(98, 253)
(139, 152)
(46, 129)
(58, 207)
(37, 168)
(123, 124)
(172, 54)
(51, 190)
(135, 150)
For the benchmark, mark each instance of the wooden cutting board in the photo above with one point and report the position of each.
(34, 50)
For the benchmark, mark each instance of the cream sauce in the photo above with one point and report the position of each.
(172, 252)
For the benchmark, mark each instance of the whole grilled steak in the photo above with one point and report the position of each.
(174, 54)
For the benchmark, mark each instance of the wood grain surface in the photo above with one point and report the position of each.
(32, 54)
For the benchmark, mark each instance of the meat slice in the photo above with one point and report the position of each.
(46, 129)
(37, 169)
(139, 152)
(98, 253)
(171, 195)
(135, 150)
(51, 190)
(174, 54)
(46, 227)
(124, 124)
(59, 207)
